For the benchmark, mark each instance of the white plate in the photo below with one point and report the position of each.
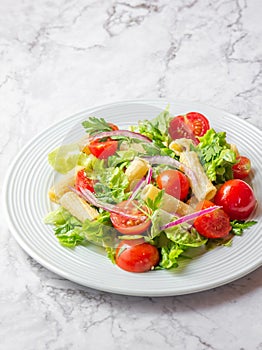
(26, 201)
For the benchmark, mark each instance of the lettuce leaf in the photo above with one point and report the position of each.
(216, 156)
(64, 158)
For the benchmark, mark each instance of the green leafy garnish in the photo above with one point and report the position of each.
(112, 184)
(216, 156)
(95, 125)
(239, 226)
(155, 203)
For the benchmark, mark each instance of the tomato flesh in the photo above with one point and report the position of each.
(242, 168)
(199, 123)
(136, 256)
(237, 199)
(82, 181)
(174, 182)
(103, 149)
(127, 225)
(212, 225)
(190, 126)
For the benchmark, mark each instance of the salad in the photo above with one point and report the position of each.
(151, 195)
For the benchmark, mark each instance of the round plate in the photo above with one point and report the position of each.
(27, 203)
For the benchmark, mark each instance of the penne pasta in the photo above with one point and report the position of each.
(201, 186)
(169, 203)
(78, 207)
(62, 186)
(136, 170)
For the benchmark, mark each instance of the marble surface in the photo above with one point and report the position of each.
(60, 57)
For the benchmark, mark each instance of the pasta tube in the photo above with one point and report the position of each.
(169, 203)
(78, 207)
(201, 186)
(136, 170)
(62, 186)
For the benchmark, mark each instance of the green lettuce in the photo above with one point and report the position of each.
(216, 156)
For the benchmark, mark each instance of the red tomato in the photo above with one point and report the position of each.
(130, 226)
(174, 183)
(136, 256)
(213, 225)
(189, 126)
(241, 169)
(83, 181)
(237, 199)
(113, 126)
(103, 149)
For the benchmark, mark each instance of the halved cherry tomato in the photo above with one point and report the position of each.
(174, 182)
(242, 168)
(131, 226)
(212, 225)
(82, 181)
(136, 256)
(103, 149)
(189, 126)
(237, 199)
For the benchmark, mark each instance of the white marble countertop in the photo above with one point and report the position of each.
(61, 57)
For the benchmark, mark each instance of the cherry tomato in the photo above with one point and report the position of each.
(136, 256)
(83, 181)
(113, 126)
(103, 149)
(212, 225)
(174, 182)
(188, 126)
(130, 226)
(237, 199)
(242, 168)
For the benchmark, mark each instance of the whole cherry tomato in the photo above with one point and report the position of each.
(136, 256)
(237, 199)
(174, 182)
(212, 225)
(242, 168)
(131, 226)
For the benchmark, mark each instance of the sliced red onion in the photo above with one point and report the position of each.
(149, 176)
(111, 208)
(189, 217)
(126, 133)
(166, 160)
(138, 187)
(141, 184)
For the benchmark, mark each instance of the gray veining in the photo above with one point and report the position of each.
(60, 57)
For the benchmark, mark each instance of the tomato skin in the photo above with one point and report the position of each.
(199, 123)
(136, 256)
(241, 169)
(179, 129)
(237, 199)
(174, 182)
(130, 226)
(82, 181)
(113, 126)
(213, 225)
(190, 125)
(104, 149)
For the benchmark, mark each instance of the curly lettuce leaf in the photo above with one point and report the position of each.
(238, 226)
(216, 156)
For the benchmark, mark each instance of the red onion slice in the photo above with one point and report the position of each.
(166, 160)
(189, 217)
(126, 133)
(111, 208)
